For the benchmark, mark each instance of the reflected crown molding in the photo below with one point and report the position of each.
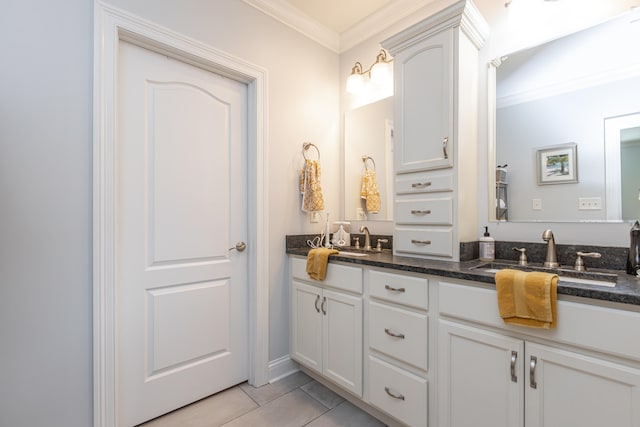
(591, 80)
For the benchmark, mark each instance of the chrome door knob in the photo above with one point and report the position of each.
(240, 246)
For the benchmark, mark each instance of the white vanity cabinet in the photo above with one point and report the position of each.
(326, 323)
(584, 373)
(436, 70)
(397, 333)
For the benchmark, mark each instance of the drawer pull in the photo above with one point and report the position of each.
(389, 288)
(514, 358)
(421, 184)
(420, 212)
(316, 303)
(394, 395)
(393, 334)
(532, 372)
(421, 242)
(324, 305)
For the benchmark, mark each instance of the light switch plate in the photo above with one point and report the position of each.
(589, 203)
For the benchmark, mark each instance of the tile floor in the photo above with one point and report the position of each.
(294, 401)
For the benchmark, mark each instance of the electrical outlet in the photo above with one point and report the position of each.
(536, 204)
(589, 203)
(314, 217)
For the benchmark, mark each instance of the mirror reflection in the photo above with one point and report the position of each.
(367, 162)
(562, 94)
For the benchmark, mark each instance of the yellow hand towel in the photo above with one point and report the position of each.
(317, 261)
(369, 192)
(312, 200)
(528, 298)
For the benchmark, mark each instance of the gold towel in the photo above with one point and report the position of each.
(317, 261)
(312, 200)
(369, 191)
(528, 298)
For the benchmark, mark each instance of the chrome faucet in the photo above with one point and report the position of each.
(367, 238)
(551, 260)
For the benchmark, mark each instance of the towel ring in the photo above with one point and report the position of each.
(306, 146)
(373, 162)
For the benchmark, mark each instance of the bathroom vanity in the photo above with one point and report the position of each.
(421, 342)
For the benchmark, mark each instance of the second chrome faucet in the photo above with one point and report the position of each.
(551, 259)
(367, 238)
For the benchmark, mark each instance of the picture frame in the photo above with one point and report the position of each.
(557, 164)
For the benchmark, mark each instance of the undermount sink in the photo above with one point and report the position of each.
(352, 253)
(566, 275)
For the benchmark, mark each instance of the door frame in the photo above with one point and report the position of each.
(111, 25)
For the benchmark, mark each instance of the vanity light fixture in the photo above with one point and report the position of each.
(379, 73)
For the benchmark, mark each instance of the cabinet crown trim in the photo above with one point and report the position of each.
(462, 13)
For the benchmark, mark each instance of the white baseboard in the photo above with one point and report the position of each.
(282, 367)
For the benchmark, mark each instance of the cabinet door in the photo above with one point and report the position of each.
(424, 105)
(306, 325)
(480, 378)
(342, 343)
(575, 390)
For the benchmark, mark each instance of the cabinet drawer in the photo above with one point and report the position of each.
(401, 334)
(410, 402)
(423, 183)
(603, 329)
(424, 241)
(338, 276)
(407, 290)
(427, 211)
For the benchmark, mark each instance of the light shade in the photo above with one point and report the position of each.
(355, 82)
(380, 73)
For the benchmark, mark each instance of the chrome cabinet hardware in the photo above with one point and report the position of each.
(393, 334)
(532, 372)
(514, 359)
(316, 303)
(392, 289)
(393, 394)
(445, 141)
(324, 305)
(240, 246)
(421, 242)
(421, 184)
(420, 212)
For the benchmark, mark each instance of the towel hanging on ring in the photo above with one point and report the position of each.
(369, 191)
(312, 199)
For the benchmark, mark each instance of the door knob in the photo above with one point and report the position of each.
(240, 246)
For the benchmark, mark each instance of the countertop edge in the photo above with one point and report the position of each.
(627, 290)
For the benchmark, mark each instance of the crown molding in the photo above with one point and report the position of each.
(292, 17)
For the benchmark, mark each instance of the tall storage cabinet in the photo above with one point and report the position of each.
(436, 126)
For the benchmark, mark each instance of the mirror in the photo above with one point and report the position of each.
(552, 104)
(368, 132)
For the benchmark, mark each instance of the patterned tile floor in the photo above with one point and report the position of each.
(294, 401)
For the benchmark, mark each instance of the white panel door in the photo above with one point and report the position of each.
(181, 295)
(342, 340)
(564, 389)
(480, 378)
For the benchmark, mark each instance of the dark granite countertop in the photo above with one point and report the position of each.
(626, 291)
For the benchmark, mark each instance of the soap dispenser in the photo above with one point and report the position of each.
(633, 261)
(487, 246)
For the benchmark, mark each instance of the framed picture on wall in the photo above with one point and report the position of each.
(557, 164)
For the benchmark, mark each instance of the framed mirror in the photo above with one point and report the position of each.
(562, 94)
(368, 162)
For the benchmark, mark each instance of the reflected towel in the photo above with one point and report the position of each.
(317, 261)
(312, 200)
(369, 192)
(528, 298)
